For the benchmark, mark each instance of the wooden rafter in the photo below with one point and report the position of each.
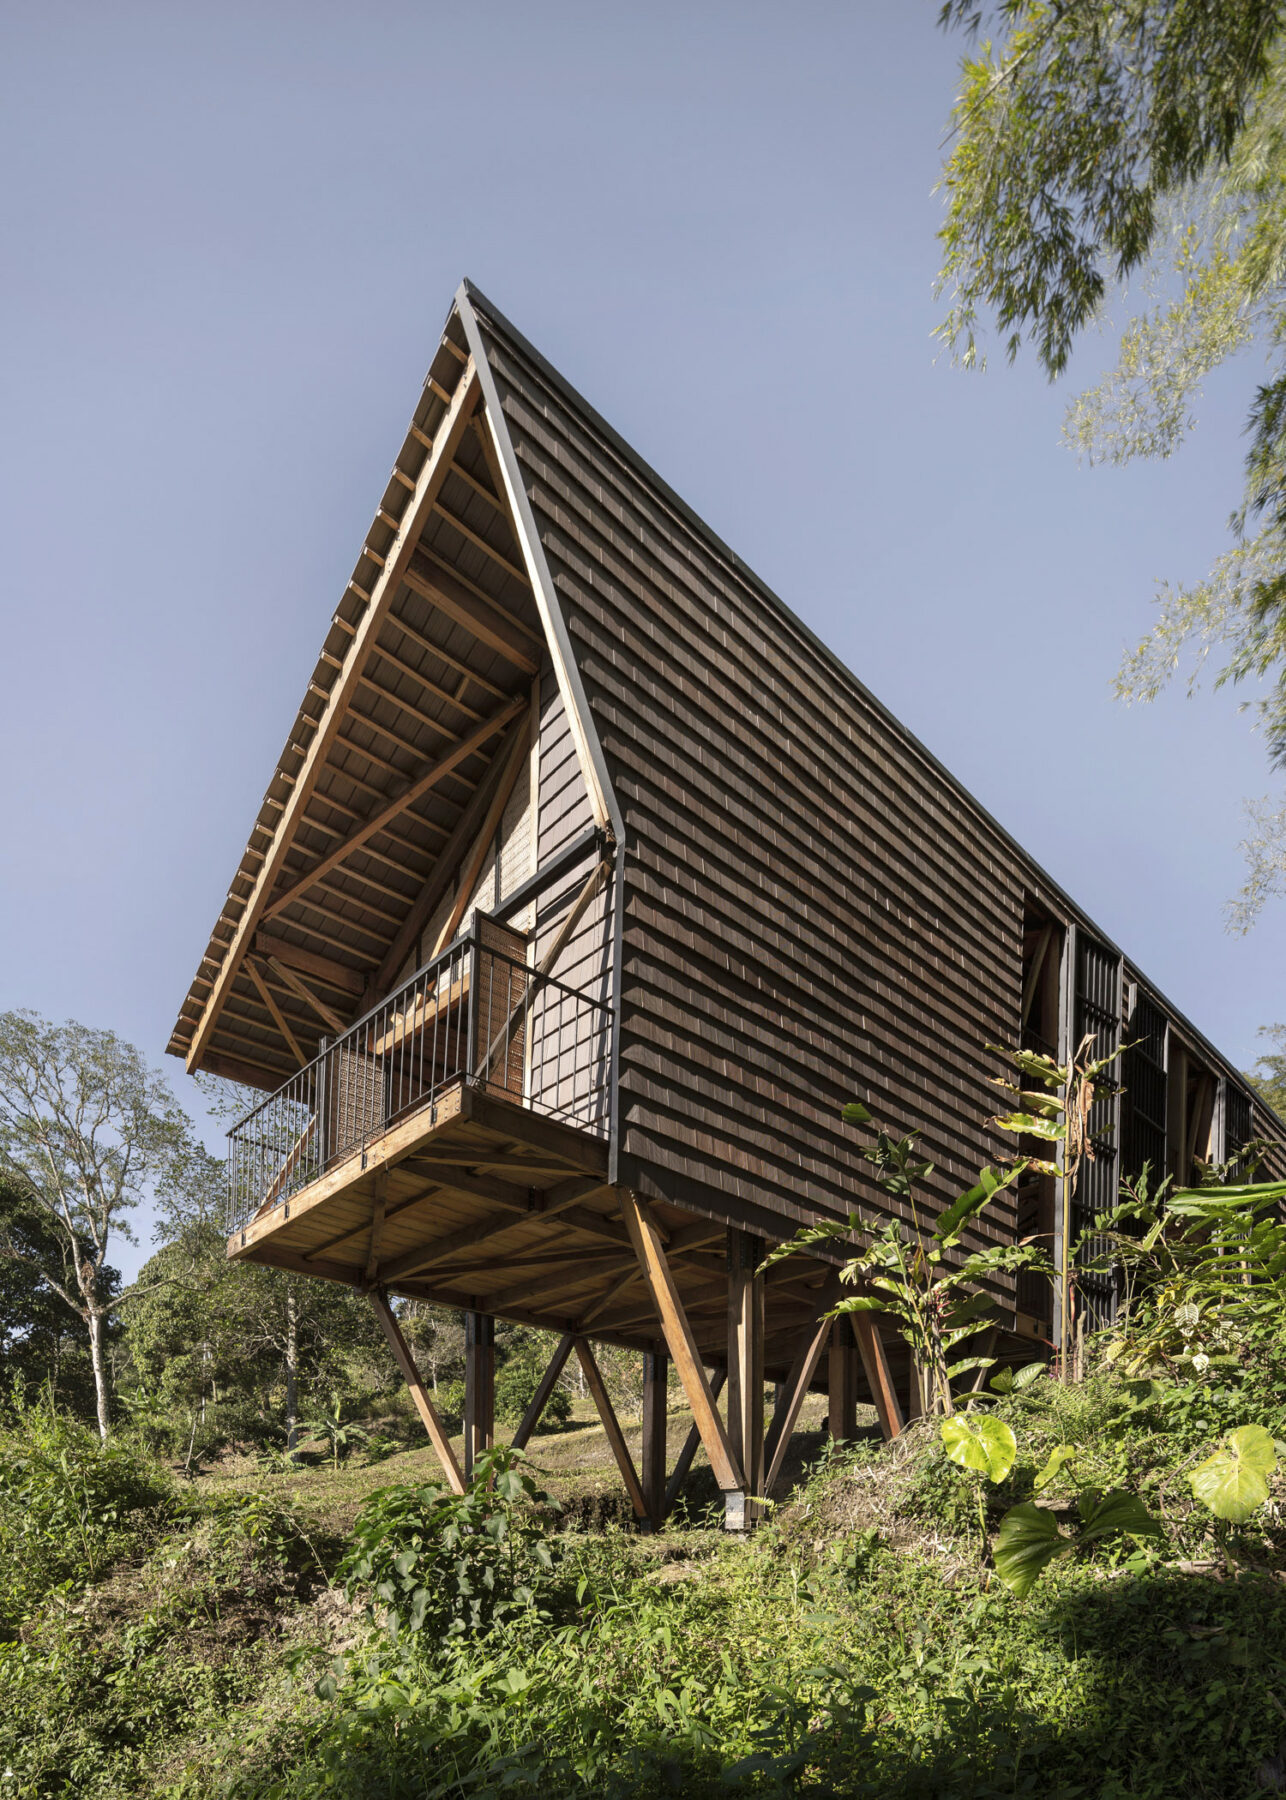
(436, 464)
(303, 992)
(444, 872)
(472, 867)
(278, 1017)
(429, 779)
(485, 620)
(446, 656)
(330, 973)
(409, 708)
(445, 694)
(479, 542)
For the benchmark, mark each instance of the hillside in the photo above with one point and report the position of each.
(193, 1640)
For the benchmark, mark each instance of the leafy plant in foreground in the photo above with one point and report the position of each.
(985, 1446)
(1030, 1537)
(1201, 1265)
(455, 1564)
(1055, 1102)
(1233, 1482)
(904, 1270)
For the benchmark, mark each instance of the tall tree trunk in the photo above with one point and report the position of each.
(94, 1319)
(292, 1372)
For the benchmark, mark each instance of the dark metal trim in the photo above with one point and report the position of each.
(535, 885)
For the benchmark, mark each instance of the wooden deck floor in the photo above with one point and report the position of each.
(483, 1205)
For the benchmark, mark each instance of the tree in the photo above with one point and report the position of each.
(1269, 1074)
(41, 1339)
(1102, 139)
(87, 1132)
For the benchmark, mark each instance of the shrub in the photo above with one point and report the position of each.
(69, 1505)
(449, 1400)
(455, 1563)
(516, 1386)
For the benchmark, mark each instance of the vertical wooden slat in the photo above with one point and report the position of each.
(746, 1357)
(842, 1383)
(656, 1370)
(419, 1393)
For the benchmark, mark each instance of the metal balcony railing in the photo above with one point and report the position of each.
(476, 1014)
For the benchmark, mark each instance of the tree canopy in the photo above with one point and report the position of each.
(1097, 143)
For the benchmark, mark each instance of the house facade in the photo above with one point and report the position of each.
(588, 888)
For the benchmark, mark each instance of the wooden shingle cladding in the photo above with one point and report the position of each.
(812, 908)
(809, 913)
(803, 906)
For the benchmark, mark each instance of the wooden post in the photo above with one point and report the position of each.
(419, 1393)
(656, 1371)
(684, 1460)
(611, 1425)
(842, 1383)
(479, 1387)
(680, 1340)
(878, 1374)
(540, 1399)
(914, 1398)
(746, 1362)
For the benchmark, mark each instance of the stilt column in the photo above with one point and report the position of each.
(656, 1377)
(479, 1387)
(842, 1382)
(746, 1362)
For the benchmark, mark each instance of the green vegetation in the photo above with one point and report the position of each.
(1107, 142)
(208, 1638)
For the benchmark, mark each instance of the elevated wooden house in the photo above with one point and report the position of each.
(588, 887)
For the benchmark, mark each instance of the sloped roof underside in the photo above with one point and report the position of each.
(429, 672)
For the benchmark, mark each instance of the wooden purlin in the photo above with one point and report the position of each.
(383, 592)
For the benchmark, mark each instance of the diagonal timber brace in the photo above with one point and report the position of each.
(680, 1340)
(419, 1393)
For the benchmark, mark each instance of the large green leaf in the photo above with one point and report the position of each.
(990, 1182)
(1116, 1513)
(1028, 1125)
(1028, 1540)
(855, 1114)
(1060, 1455)
(1233, 1482)
(987, 1447)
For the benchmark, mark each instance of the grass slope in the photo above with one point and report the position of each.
(193, 1642)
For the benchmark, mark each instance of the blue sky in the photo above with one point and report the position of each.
(232, 235)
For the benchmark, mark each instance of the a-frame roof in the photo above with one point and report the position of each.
(417, 702)
(401, 737)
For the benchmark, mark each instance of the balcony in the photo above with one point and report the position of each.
(476, 1038)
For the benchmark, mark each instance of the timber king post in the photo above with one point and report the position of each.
(587, 889)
